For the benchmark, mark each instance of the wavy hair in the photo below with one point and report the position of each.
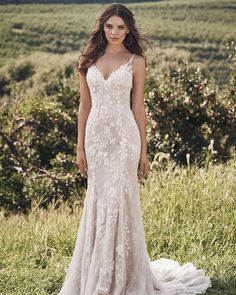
(134, 41)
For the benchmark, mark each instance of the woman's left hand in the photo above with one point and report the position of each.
(143, 166)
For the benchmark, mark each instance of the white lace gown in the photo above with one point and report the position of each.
(110, 255)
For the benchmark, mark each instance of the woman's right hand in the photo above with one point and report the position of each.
(81, 161)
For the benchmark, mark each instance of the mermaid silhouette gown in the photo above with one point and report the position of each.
(110, 255)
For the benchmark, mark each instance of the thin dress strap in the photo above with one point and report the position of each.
(131, 58)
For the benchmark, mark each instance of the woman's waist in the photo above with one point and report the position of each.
(119, 116)
(117, 111)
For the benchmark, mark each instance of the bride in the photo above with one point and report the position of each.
(110, 255)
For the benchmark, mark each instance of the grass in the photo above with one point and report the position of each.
(188, 214)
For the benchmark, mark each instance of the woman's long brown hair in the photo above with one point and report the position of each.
(97, 42)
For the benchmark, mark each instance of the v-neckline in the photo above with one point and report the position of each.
(112, 72)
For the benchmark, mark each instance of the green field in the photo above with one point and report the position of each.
(188, 29)
(188, 214)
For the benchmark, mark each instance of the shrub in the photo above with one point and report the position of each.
(37, 144)
(22, 71)
(185, 114)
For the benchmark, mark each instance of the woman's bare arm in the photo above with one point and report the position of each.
(83, 112)
(138, 106)
(84, 109)
(138, 109)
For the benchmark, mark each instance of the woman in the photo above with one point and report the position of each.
(110, 255)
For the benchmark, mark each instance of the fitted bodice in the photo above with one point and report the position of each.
(113, 91)
(111, 120)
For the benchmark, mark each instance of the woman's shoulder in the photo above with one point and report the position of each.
(138, 58)
(139, 62)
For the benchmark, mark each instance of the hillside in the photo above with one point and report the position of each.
(180, 29)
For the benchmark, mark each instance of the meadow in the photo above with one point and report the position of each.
(179, 29)
(188, 214)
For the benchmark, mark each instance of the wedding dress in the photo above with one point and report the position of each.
(110, 255)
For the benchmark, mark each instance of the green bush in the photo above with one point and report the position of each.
(4, 84)
(185, 114)
(37, 144)
(22, 71)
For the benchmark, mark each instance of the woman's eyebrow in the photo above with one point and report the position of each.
(117, 25)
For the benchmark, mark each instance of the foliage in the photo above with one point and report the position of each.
(22, 71)
(185, 114)
(37, 144)
(232, 58)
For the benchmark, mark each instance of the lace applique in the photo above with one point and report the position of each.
(111, 256)
(105, 276)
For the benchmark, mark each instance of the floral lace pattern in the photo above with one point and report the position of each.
(110, 255)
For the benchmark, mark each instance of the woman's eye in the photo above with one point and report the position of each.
(119, 27)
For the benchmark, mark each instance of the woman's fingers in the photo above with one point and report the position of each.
(83, 168)
(82, 164)
(143, 170)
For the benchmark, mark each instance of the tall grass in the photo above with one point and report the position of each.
(36, 249)
(192, 216)
(188, 214)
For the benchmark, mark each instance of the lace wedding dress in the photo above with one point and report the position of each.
(110, 255)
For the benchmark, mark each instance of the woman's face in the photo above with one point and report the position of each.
(115, 29)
